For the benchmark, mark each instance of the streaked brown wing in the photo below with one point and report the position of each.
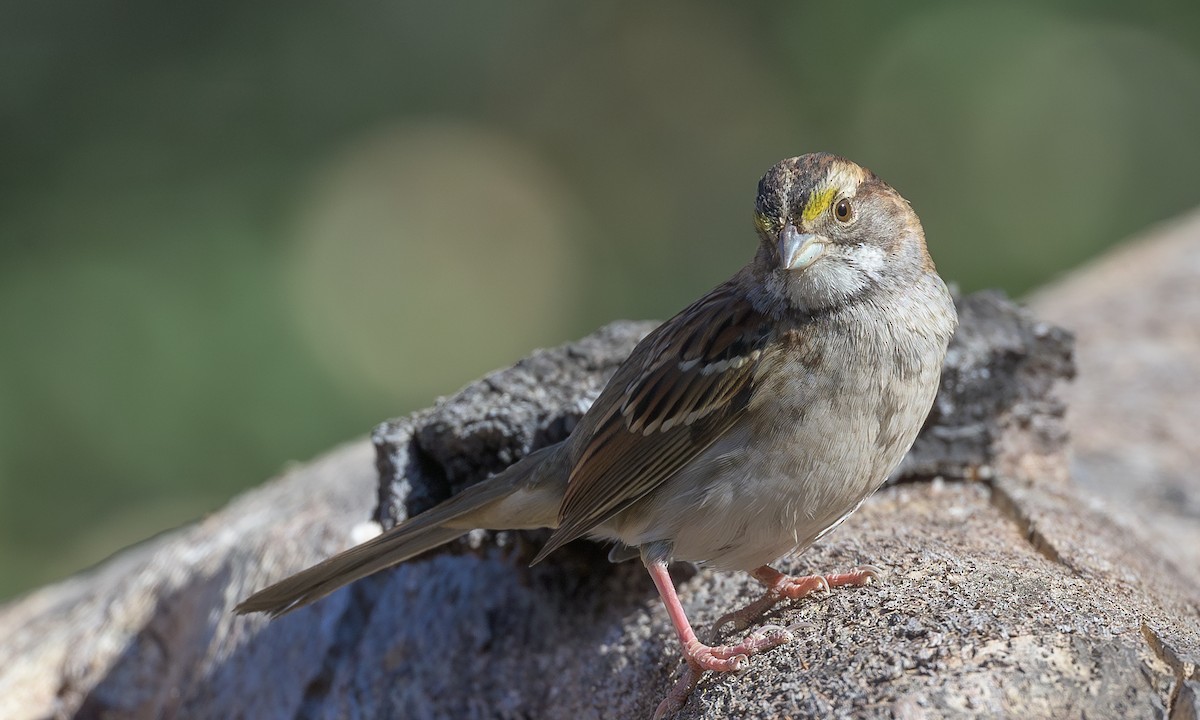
(681, 389)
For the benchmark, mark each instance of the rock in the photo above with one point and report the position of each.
(1010, 590)
(1135, 411)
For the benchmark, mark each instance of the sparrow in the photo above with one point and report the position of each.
(744, 428)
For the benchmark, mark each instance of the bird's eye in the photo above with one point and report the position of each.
(843, 211)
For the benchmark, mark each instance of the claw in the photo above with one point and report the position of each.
(858, 577)
(772, 635)
(872, 572)
(801, 626)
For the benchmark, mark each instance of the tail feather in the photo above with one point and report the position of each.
(316, 582)
(407, 540)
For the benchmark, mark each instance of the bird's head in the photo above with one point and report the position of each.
(832, 231)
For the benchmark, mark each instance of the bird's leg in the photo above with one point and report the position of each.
(782, 587)
(721, 658)
(701, 657)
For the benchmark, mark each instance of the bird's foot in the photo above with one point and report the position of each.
(720, 658)
(782, 587)
(701, 657)
(729, 658)
(796, 587)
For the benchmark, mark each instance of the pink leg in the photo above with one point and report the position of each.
(701, 657)
(721, 658)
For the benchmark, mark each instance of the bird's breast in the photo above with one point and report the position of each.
(832, 415)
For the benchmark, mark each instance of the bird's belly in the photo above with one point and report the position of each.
(744, 504)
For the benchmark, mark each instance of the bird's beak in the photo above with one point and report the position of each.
(798, 250)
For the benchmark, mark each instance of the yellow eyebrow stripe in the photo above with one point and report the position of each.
(818, 203)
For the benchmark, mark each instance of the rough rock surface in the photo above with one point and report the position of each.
(1134, 416)
(1010, 590)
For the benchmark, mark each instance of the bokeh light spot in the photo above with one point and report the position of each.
(427, 254)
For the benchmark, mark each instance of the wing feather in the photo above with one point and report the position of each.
(682, 388)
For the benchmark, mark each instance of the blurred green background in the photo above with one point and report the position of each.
(233, 234)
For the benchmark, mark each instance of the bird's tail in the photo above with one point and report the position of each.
(528, 497)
